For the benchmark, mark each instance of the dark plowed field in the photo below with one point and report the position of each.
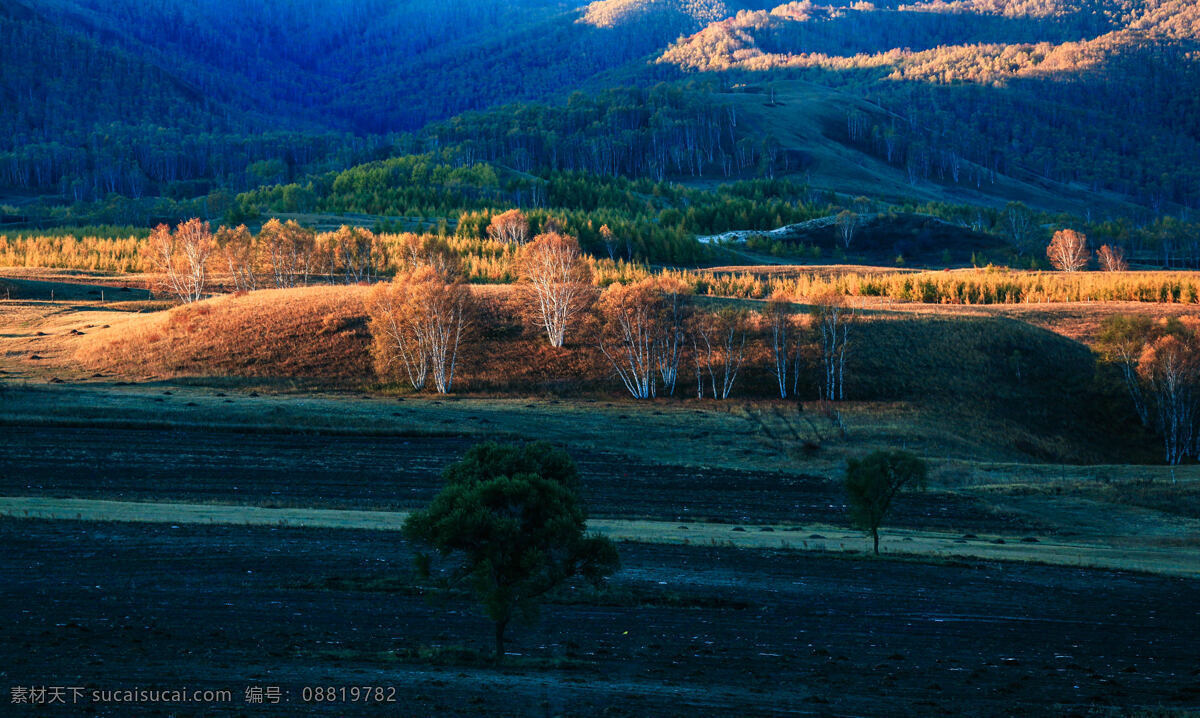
(403, 472)
(713, 631)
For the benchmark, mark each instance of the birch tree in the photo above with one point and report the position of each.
(414, 251)
(289, 252)
(832, 319)
(1112, 259)
(355, 253)
(785, 343)
(719, 343)
(1068, 251)
(1122, 340)
(556, 282)
(418, 322)
(631, 317)
(511, 227)
(671, 337)
(1019, 225)
(180, 258)
(847, 224)
(239, 251)
(610, 241)
(1170, 367)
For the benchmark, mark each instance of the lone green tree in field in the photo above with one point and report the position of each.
(511, 519)
(873, 482)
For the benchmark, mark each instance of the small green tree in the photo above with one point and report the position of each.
(873, 482)
(510, 515)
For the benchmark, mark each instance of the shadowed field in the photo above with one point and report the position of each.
(682, 630)
(1169, 560)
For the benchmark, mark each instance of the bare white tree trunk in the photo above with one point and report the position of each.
(719, 341)
(633, 316)
(833, 330)
(668, 345)
(785, 346)
(418, 321)
(182, 257)
(559, 282)
(632, 358)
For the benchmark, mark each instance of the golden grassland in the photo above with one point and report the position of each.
(963, 381)
(488, 261)
(483, 260)
(103, 254)
(1001, 382)
(1078, 321)
(300, 333)
(978, 286)
(769, 271)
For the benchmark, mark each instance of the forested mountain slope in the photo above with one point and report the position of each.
(1065, 104)
(1101, 95)
(90, 82)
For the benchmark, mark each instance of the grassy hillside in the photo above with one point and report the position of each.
(1004, 384)
(1066, 93)
(316, 332)
(809, 122)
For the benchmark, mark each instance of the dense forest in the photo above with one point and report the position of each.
(649, 220)
(134, 112)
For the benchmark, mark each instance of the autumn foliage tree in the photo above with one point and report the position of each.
(609, 239)
(414, 251)
(670, 337)
(1112, 259)
(1160, 363)
(289, 252)
(631, 318)
(1170, 368)
(1122, 340)
(354, 253)
(239, 252)
(1068, 251)
(180, 258)
(511, 227)
(418, 322)
(556, 281)
(719, 349)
